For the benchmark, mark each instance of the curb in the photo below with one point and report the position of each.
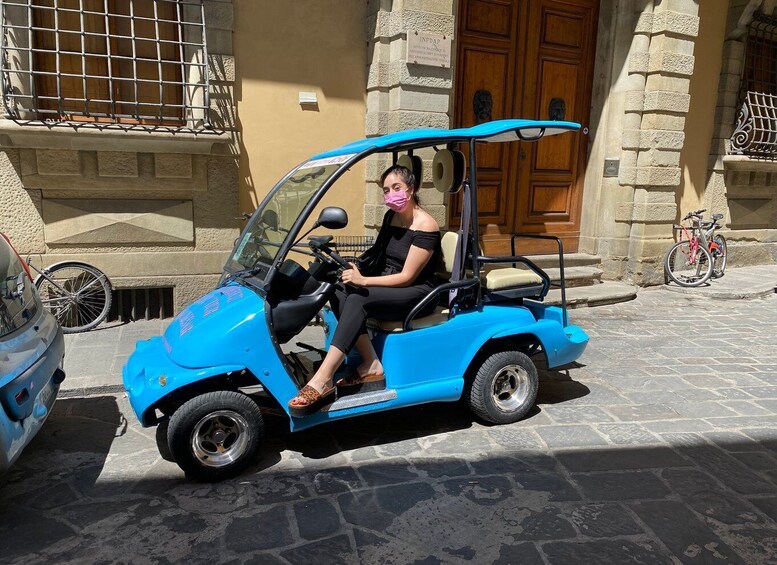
(90, 391)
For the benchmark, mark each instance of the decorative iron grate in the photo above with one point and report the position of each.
(755, 133)
(131, 304)
(125, 63)
(351, 246)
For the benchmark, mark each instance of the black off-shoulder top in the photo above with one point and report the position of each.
(398, 247)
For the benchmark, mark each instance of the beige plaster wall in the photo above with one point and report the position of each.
(281, 49)
(700, 121)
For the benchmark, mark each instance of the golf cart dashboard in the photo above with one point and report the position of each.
(297, 294)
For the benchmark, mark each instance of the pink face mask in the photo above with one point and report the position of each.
(396, 200)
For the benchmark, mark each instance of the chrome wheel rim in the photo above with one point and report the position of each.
(511, 388)
(220, 438)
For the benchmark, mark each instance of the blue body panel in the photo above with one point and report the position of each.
(498, 130)
(226, 331)
(20, 423)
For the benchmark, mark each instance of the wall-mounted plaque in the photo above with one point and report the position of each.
(428, 49)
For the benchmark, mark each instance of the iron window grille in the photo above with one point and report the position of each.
(106, 63)
(755, 133)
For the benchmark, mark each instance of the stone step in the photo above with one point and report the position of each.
(606, 292)
(577, 276)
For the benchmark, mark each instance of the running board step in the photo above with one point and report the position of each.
(363, 399)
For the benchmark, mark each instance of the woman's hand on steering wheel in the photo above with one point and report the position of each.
(352, 276)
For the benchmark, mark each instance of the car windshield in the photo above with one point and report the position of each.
(263, 237)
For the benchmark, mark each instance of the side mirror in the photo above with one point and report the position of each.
(332, 218)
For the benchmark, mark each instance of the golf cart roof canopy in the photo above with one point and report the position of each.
(498, 130)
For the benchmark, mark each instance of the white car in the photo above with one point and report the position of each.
(31, 352)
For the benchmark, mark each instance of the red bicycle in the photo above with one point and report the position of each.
(699, 254)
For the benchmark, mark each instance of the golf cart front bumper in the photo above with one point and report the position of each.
(150, 375)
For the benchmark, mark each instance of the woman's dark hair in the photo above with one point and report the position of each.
(407, 177)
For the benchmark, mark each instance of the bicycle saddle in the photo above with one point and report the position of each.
(717, 216)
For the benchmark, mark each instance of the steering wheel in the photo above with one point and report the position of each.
(320, 247)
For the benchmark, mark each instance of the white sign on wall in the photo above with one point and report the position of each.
(428, 49)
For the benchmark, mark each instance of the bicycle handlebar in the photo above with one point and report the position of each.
(695, 214)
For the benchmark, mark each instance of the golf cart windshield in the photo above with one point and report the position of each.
(264, 235)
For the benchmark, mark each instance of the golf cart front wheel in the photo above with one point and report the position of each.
(214, 436)
(504, 388)
(160, 435)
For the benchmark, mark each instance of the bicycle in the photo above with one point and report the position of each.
(76, 293)
(700, 253)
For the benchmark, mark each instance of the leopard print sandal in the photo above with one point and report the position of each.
(309, 400)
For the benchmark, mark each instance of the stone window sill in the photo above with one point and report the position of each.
(745, 163)
(40, 135)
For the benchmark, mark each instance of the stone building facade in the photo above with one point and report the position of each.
(151, 203)
(656, 85)
(647, 85)
(745, 186)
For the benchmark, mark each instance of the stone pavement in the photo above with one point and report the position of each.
(746, 282)
(660, 447)
(93, 360)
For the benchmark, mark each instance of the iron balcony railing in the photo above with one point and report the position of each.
(755, 133)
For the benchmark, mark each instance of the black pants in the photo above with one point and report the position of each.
(352, 306)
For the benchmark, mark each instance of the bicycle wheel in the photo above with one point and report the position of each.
(78, 295)
(719, 256)
(686, 267)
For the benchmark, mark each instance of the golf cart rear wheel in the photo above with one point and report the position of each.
(215, 435)
(504, 388)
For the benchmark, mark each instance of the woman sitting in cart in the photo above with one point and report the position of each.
(412, 253)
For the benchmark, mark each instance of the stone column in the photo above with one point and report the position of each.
(404, 96)
(654, 132)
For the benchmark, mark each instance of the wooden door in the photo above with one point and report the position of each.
(527, 59)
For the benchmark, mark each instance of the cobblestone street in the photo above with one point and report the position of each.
(660, 447)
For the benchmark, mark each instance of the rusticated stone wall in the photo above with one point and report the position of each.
(654, 132)
(402, 95)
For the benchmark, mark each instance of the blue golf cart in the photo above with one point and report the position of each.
(227, 357)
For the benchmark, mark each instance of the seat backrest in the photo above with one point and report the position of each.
(450, 240)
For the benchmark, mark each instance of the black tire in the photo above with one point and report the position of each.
(719, 257)
(161, 441)
(238, 423)
(683, 272)
(504, 388)
(79, 296)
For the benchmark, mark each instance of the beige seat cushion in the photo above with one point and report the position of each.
(439, 316)
(510, 277)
